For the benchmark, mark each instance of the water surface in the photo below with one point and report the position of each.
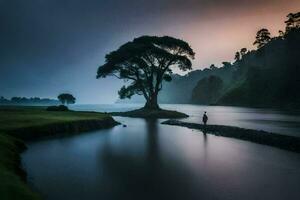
(271, 120)
(147, 160)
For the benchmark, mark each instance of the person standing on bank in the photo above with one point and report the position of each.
(204, 118)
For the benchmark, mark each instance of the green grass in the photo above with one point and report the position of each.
(12, 119)
(11, 184)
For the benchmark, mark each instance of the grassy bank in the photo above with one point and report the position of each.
(12, 178)
(36, 122)
(18, 123)
(290, 143)
(146, 113)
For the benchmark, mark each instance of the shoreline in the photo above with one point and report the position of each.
(151, 114)
(62, 128)
(25, 124)
(290, 143)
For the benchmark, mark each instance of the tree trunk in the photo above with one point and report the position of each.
(152, 103)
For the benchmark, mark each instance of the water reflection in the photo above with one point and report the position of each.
(205, 145)
(147, 160)
(144, 176)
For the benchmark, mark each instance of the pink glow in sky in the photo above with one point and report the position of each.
(218, 30)
(48, 47)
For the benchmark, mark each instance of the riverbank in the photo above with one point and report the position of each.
(148, 113)
(285, 142)
(27, 123)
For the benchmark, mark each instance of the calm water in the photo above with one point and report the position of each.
(147, 160)
(260, 119)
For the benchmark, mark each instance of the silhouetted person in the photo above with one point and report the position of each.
(204, 118)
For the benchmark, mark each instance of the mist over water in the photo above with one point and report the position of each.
(147, 160)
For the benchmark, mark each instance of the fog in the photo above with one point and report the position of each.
(48, 47)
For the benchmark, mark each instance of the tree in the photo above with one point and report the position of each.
(226, 64)
(237, 56)
(293, 21)
(281, 34)
(146, 62)
(212, 67)
(243, 51)
(66, 98)
(262, 38)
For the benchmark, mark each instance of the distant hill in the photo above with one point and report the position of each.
(266, 77)
(181, 88)
(208, 90)
(269, 76)
(28, 101)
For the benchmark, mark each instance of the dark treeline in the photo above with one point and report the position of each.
(28, 101)
(266, 77)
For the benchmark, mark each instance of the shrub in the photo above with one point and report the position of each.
(57, 108)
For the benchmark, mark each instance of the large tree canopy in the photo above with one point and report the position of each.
(146, 62)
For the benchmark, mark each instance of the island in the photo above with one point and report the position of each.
(151, 113)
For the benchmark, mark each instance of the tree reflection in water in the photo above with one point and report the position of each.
(146, 176)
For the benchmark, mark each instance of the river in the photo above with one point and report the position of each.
(147, 160)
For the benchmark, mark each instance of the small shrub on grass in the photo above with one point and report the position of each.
(57, 108)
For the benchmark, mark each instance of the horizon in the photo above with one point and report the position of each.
(52, 47)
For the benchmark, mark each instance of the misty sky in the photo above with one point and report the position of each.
(53, 46)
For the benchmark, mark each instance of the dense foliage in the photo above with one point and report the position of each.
(262, 38)
(57, 108)
(27, 101)
(66, 98)
(207, 90)
(146, 62)
(268, 76)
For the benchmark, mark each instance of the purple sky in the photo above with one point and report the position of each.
(53, 46)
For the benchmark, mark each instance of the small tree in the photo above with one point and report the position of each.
(66, 98)
(226, 64)
(237, 56)
(262, 38)
(146, 62)
(293, 21)
(280, 34)
(243, 51)
(213, 67)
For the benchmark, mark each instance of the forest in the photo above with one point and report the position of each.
(28, 101)
(265, 77)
